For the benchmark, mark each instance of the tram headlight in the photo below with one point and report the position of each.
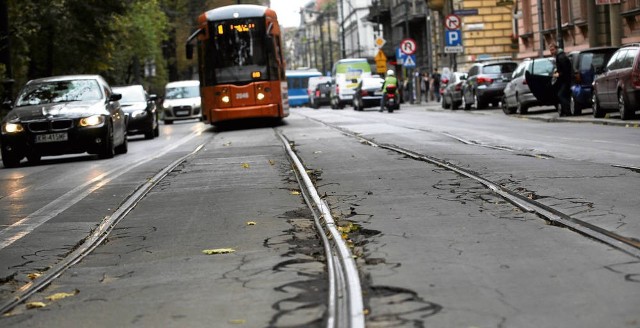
(225, 99)
(260, 96)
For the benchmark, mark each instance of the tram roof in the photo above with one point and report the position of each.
(235, 11)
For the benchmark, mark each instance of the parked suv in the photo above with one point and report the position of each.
(585, 63)
(618, 87)
(486, 82)
(517, 95)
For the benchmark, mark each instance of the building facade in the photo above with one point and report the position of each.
(515, 29)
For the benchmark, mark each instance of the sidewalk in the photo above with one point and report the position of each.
(547, 114)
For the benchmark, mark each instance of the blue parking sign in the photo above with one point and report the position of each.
(453, 38)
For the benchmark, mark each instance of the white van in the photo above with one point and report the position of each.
(181, 101)
(346, 74)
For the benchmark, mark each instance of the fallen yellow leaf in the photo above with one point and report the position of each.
(35, 305)
(251, 223)
(59, 296)
(272, 162)
(218, 251)
(294, 192)
(34, 275)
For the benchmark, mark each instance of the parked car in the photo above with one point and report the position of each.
(319, 89)
(618, 87)
(368, 93)
(517, 95)
(182, 101)
(485, 83)
(452, 90)
(140, 109)
(321, 95)
(64, 115)
(585, 64)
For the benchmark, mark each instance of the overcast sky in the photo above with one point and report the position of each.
(288, 11)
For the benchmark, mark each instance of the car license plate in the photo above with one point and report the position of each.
(377, 93)
(182, 112)
(52, 137)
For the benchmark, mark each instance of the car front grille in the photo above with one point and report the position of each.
(48, 126)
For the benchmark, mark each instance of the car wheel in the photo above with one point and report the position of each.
(107, 150)
(453, 105)
(575, 107)
(465, 104)
(505, 107)
(445, 105)
(123, 148)
(156, 131)
(168, 122)
(625, 111)
(520, 107)
(598, 112)
(9, 159)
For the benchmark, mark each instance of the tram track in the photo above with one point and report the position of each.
(344, 304)
(555, 217)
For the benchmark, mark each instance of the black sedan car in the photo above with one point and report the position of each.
(368, 93)
(141, 110)
(64, 115)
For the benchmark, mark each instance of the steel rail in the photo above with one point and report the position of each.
(628, 245)
(345, 305)
(94, 239)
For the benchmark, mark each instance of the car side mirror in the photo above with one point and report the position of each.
(115, 97)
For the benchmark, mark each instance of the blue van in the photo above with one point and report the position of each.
(586, 64)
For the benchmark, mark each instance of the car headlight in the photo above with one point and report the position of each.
(92, 120)
(165, 106)
(12, 127)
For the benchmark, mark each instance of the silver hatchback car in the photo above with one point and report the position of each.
(517, 96)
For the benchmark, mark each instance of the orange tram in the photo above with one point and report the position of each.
(240, 64)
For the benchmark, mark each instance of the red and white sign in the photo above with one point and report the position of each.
(452, 22)
(408, 46)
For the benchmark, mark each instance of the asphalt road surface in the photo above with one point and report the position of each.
(434, 248)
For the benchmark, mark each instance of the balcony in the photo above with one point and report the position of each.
(379, 11)
(417, 11)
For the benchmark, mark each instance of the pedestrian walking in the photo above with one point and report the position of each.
(425, 86)
(435, 82)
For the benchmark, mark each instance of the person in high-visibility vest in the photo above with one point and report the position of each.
(389, 79)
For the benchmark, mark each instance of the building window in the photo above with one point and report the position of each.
(527, 16)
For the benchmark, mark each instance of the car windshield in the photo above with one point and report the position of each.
(59, 91)
(499, 68)
(183, 92)
(131, 95)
